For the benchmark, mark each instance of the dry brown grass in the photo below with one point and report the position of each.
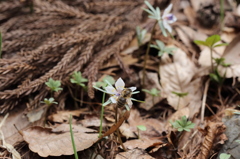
(58, 38)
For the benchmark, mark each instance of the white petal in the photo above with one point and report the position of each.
(110, 90)
(133, 88)
(113, 99)
(167, 10)
(129, 102)
(119, 84)
(167, 26)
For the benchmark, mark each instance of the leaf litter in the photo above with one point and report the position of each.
(45, 40)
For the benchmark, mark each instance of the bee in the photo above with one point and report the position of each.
(122, 99)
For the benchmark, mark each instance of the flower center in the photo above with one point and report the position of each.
(169, 17)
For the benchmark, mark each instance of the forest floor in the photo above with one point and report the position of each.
(77, 74)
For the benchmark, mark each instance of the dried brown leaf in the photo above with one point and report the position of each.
(143, 143)
(154, 126)
(179, 77)
(45, 142)
(63, 116)
(133, 154)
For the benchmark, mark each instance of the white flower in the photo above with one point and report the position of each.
(168, 18)
(115, 93)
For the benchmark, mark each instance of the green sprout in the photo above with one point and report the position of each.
(162, 48)
(153, 92)
(238, 141)
(210, 42)
(49, 101)
(141, 33)
(142, 128)
(182, 124)
(180, 95)
(225, 156)
(78, 79)
(53, 85)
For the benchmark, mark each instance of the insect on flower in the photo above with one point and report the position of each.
(119, 92)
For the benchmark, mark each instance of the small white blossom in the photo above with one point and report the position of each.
(168, 18)
(115, 93)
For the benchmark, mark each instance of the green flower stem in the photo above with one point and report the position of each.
(72, 138)
(147, 53)
(102, 112)
(211, 51)
(81, 97)
(178, 103)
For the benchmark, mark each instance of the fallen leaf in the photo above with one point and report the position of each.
(154, 126)
(90, 120)
(179, 77)
(10, 148)
(134, 154)
(35, 115)
(18, 118)
(45, 142)
(188, 35)
(143, 143)
(231, 55)
(63, 116)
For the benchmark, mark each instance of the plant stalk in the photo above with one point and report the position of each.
(102, 112)
(211, 51)
(72, 138)
(147, 53)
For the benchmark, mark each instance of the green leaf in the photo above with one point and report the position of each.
(212, 40)
(180, 94)
(149, 6)
(153, 91)
(162, 28)
(49, 101)
(160, 53)
(237, 141)
(142, 127)
(199, 42)
(140, 35)
(78, 79)
(225, 156)
(214, 77)
(160, 45)
(182, 124)
(147, 91)
(154, 46)
(223, 44)
(54, 85)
